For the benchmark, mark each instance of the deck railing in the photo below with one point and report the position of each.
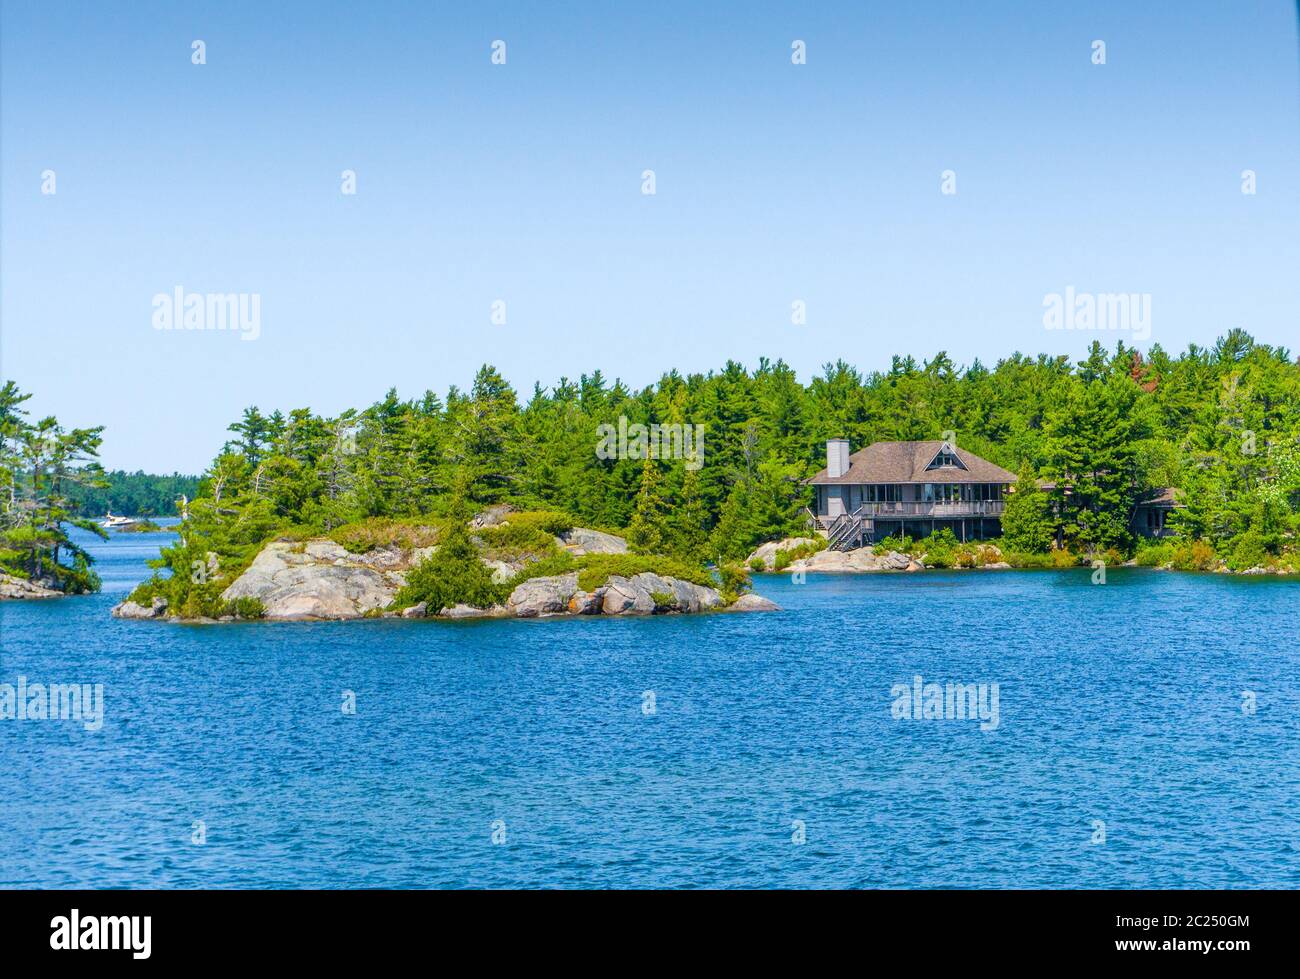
(929, 509)
(933, 508)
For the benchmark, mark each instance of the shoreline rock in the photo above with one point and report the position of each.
(860, 560)
(542, 596)
(320, 580)
(642, 594)
(749, 602)
(20, 589)
(767, 552)
(131, 610)
(470, 612)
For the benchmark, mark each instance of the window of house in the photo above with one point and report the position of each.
(945, 458)
(943, 492)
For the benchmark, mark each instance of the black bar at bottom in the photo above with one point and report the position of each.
(337, 928)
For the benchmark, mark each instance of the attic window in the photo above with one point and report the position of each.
(945, 458)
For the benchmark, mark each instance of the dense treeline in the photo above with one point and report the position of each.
(41, 465)
(1220, 424)
(136, 494)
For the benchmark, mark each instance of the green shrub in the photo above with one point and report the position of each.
(144, 593)
(405, 532)
(1019, 559)
(1110, 557)
(665, 601)
(1053, 560)
(1064, 558)
(205, 602)
(551, 522)
(964, 556)
(529, 535)
(559, 563)
(940, 548)
(1248, 552)
(595, 569)
(195, 583)
(1153, 553)
(1288, 562)
(808, 548)
(734, 582)
(1197, 556)
(451, 575)
(757, 565)
(244, 608)
(193, 589)
(894, 542)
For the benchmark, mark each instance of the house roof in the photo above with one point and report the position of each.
(1164, 497)
(905, 462)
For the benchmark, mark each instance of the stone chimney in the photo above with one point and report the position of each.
(837, 457)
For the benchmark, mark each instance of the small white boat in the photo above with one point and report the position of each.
(117, 523)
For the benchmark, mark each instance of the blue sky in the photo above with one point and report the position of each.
(522, 183)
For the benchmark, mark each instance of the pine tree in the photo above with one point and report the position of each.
(40, 464)
(689, 521)
(1027, 523)
(649, 531)
(1092, 455)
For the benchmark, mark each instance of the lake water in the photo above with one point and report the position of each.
(1120, 703)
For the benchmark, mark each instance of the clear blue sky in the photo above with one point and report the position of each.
(522, 183)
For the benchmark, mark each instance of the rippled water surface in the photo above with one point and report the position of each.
(1120, 703)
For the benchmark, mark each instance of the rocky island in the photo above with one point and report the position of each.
(321, 579)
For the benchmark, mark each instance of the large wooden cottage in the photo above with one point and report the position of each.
(914, 488)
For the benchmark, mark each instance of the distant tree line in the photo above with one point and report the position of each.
(136, 494)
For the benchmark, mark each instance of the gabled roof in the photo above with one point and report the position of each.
(905, 462)
(1166, 496)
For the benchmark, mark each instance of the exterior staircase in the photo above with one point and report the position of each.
(848, 531)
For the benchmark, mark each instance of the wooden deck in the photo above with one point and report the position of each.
(850, 530)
